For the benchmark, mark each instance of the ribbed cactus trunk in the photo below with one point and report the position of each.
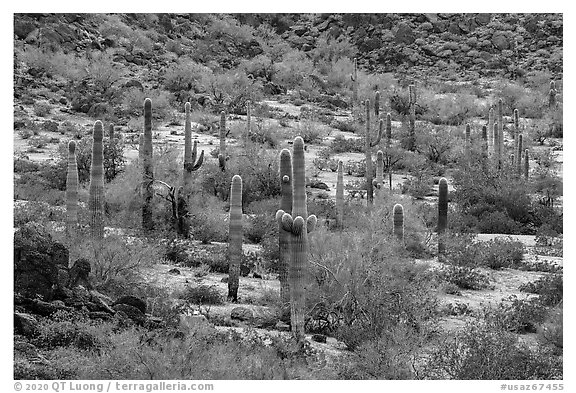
(399, 222)
(442, 213)
(377, 104)
(388, 130)
(354, 78)
(516, 118)
(490, 128)
(147, 168)
(379, 169)
(412, 120)
(96, 190)
(368, 145)
(71, 191)
(552, 95)
(519, 155)
(284, 236)
(526, 164)
(467, 140)
(340, 196)
(235, 238)
(299, 224)
(497, 151)
(484, 141)
(248, 121)
(111, 131)
(190, 153)
(222, 152)
(500, 131)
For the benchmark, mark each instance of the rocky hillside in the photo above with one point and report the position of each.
(448, 45)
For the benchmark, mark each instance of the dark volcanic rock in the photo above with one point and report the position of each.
(132, 301)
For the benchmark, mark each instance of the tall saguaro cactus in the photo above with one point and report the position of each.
(484, 141)
(379, 169)
(490, 127)
(235, 238)
(368, 145)
(526, 164)
(388, 130)
(222, 152)
(71, 190)
(467, 140)
(96, 191)
(141, 149)
(412, 120)
(111, 131)
(442, 213)
(299, 224)
(519, 149)
(497, 150)
(190, 152)
(377, 104)
(283, 235)
(398, 213)
(340, 196)
(248, 120)
(354, 78)
(500, 128)
(147, 168)
(552, 95)
(516, 118)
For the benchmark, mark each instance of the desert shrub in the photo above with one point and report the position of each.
(184, 75)
(208, 227)
(294, 70)
(502, 252)
(451, 109)
(529, 103)
(516, 315)
(40, 212)
(38, 141)
(481, 352)
(65, 329)
(42, 108)
(549, 287)
(262, 133)
(133, 102)
(550, 332)
(201, 295)
(116, 256)
(340, 144)
(464, 277)
(310, 132)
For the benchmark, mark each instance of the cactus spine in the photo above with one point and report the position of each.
(71, 190)
(369, 144)
(526, 164)
(283, 235)
(190, 152)
(299, 224)
(234, 238)
(340, 196)
(147, 168)
(442, 213)
(399, 222)
(96, 191)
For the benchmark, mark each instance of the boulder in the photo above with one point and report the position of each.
(126, 311)
(319, 338)
(242, 314)
(403, 34)
(25, 324)
(131, 301)
(500, 40)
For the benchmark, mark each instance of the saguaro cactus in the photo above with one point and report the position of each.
(412, 120)
(490, 127)
(234, 238)
(71, 190)
(519, 149)
(500, 126)
(552, 95)
(516, 119)
(111, 131)
(147, 168)
(399, 222)
(379, 169)
(388, 130)
(484, 141)
(354, 78)
(96, 191)
(368, 145)
(340, 196)
(377, 104)
(299, 224)
(248, 120)
(283, 235)
(497, 150)
(190, 152)
(526, 164)
(442, 213)
(222, 152)
(467, 140)
(141, 149)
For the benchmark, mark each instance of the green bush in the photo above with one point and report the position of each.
(464, 277)
(201, 295)
(42, 108)
(549, 287)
